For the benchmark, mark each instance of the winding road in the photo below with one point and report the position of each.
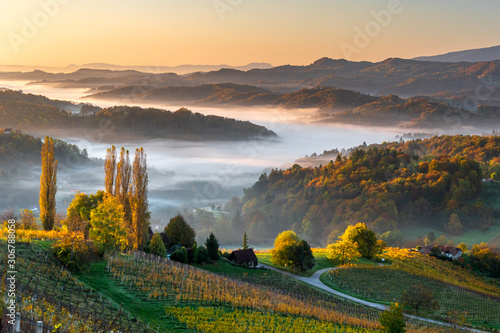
(315, 281)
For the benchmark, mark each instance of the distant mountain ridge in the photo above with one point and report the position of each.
(181, 69)
(473, 55)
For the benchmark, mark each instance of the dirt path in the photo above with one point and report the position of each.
(314, 280)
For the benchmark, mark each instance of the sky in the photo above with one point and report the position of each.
(237, 32)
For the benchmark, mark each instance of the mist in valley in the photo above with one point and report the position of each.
(185, 175)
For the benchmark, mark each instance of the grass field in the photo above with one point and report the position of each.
(386, 285)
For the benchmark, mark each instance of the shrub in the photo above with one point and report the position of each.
(392, 319)
(74, 252)
(202, 255)
(180, 255)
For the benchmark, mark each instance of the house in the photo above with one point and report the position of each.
(7, 131)
(242, 257)
(448, 251)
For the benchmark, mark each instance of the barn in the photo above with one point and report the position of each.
(244, 257)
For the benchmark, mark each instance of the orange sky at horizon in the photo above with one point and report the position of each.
(237, 32)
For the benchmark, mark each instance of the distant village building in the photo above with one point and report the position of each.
(451, 252)
(7, 131)
(242, 257)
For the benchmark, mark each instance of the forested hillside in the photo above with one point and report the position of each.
(244, 95)
(31, 112)
(20, 151)
(412, 112)
(386, 186)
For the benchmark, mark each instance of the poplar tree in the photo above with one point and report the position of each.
(110, 170)
(122, 186)
(48, 188)
(139, 200)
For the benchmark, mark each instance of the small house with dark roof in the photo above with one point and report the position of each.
(244, 257)
(7, 131)
(448, 251)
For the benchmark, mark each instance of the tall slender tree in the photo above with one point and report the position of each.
(122, 186)
(48, 187)
(244, 246)
(110, 170)
(139, 200)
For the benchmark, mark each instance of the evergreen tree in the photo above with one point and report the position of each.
(48, 188)
(157, 247)
(244, 246)
(212, 245)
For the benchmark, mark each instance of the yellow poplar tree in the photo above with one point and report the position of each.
(109, 170)
(48, 188)
(122, 185)
(139, 201)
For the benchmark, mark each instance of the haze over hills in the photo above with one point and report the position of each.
(405, 78)
(181, 69)
(473, 55)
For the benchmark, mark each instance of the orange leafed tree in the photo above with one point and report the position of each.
(48, 188)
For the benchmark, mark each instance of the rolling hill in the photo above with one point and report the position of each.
(474, 55)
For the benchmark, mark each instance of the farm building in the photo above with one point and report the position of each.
(448, 251)
(7, 131)
(243, 257)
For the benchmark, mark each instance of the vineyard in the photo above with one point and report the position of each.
(386, 284)
(209, 302)
(435, 269)
(48, 292)
(137, 292)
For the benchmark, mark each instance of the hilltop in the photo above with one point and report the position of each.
(386, 186)
(36, 113)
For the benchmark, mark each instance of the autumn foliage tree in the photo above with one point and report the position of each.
(364, 238)
(28, 219)
(343, 251)
(110, 170)
(139, 201)
(122, 185)
(48, 188)
(107, 229)
(78, 212)
(282, 247)
(419, 297)
(129, 185)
